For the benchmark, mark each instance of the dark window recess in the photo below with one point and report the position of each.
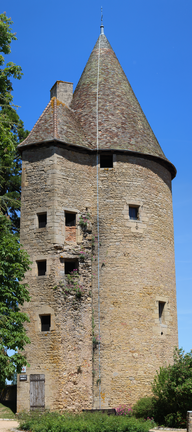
(106, 161)
(70, 219)
(42, 219)
(70, 266)
(161, 311)
(133, 213)
(41, 268)
(45, 322)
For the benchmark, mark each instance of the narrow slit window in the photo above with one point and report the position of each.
(106, 161)
(161, 312)
(70, 219)
(42, 267)
(71, 266)
(42, 220)
(45, 322)
(133, 213)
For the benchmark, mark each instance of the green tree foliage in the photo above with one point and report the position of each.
(172, 393)
(144, 407)
(11, 129)
(14, 262)
(14, 378)
(172, 389)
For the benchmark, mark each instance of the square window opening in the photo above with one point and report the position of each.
(161, 311)
(70, 219)
(45, 322)
(133, 213)
(42, 220)
(70, 266)
(42, 267)
(106, 161)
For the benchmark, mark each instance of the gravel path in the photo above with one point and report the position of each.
(7, 425)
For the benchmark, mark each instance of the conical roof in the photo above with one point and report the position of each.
(122, 124)
(103, 97)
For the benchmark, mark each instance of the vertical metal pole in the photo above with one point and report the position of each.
(98, 270)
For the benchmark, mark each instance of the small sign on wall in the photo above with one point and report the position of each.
(22, 377)
(23, 370)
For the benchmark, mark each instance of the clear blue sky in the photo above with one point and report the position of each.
(152, 40)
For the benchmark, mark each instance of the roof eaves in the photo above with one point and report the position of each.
(164, 162)
(22, 146)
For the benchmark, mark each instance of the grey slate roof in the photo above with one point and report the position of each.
(57, 122)
(122, 123)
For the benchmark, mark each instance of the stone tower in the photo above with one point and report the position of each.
(97, 222)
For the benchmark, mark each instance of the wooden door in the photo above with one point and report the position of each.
(37, 391)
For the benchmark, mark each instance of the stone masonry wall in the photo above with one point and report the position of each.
(137, 271)
(63, 354)
(136, 267)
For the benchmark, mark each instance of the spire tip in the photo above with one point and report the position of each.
(101, 26)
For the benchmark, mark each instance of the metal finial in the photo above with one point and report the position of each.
(101, 26)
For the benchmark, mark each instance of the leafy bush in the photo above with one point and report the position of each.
(84, 422)
(144, 407)
(172, 388)
(172, 393)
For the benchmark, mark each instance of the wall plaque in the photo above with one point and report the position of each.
(22, 377)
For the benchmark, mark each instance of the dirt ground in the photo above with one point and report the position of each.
(7, 425)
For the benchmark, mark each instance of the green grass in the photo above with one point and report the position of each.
(6, 412)
(84, 422)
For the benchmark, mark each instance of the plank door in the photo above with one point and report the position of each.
(37, 391)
